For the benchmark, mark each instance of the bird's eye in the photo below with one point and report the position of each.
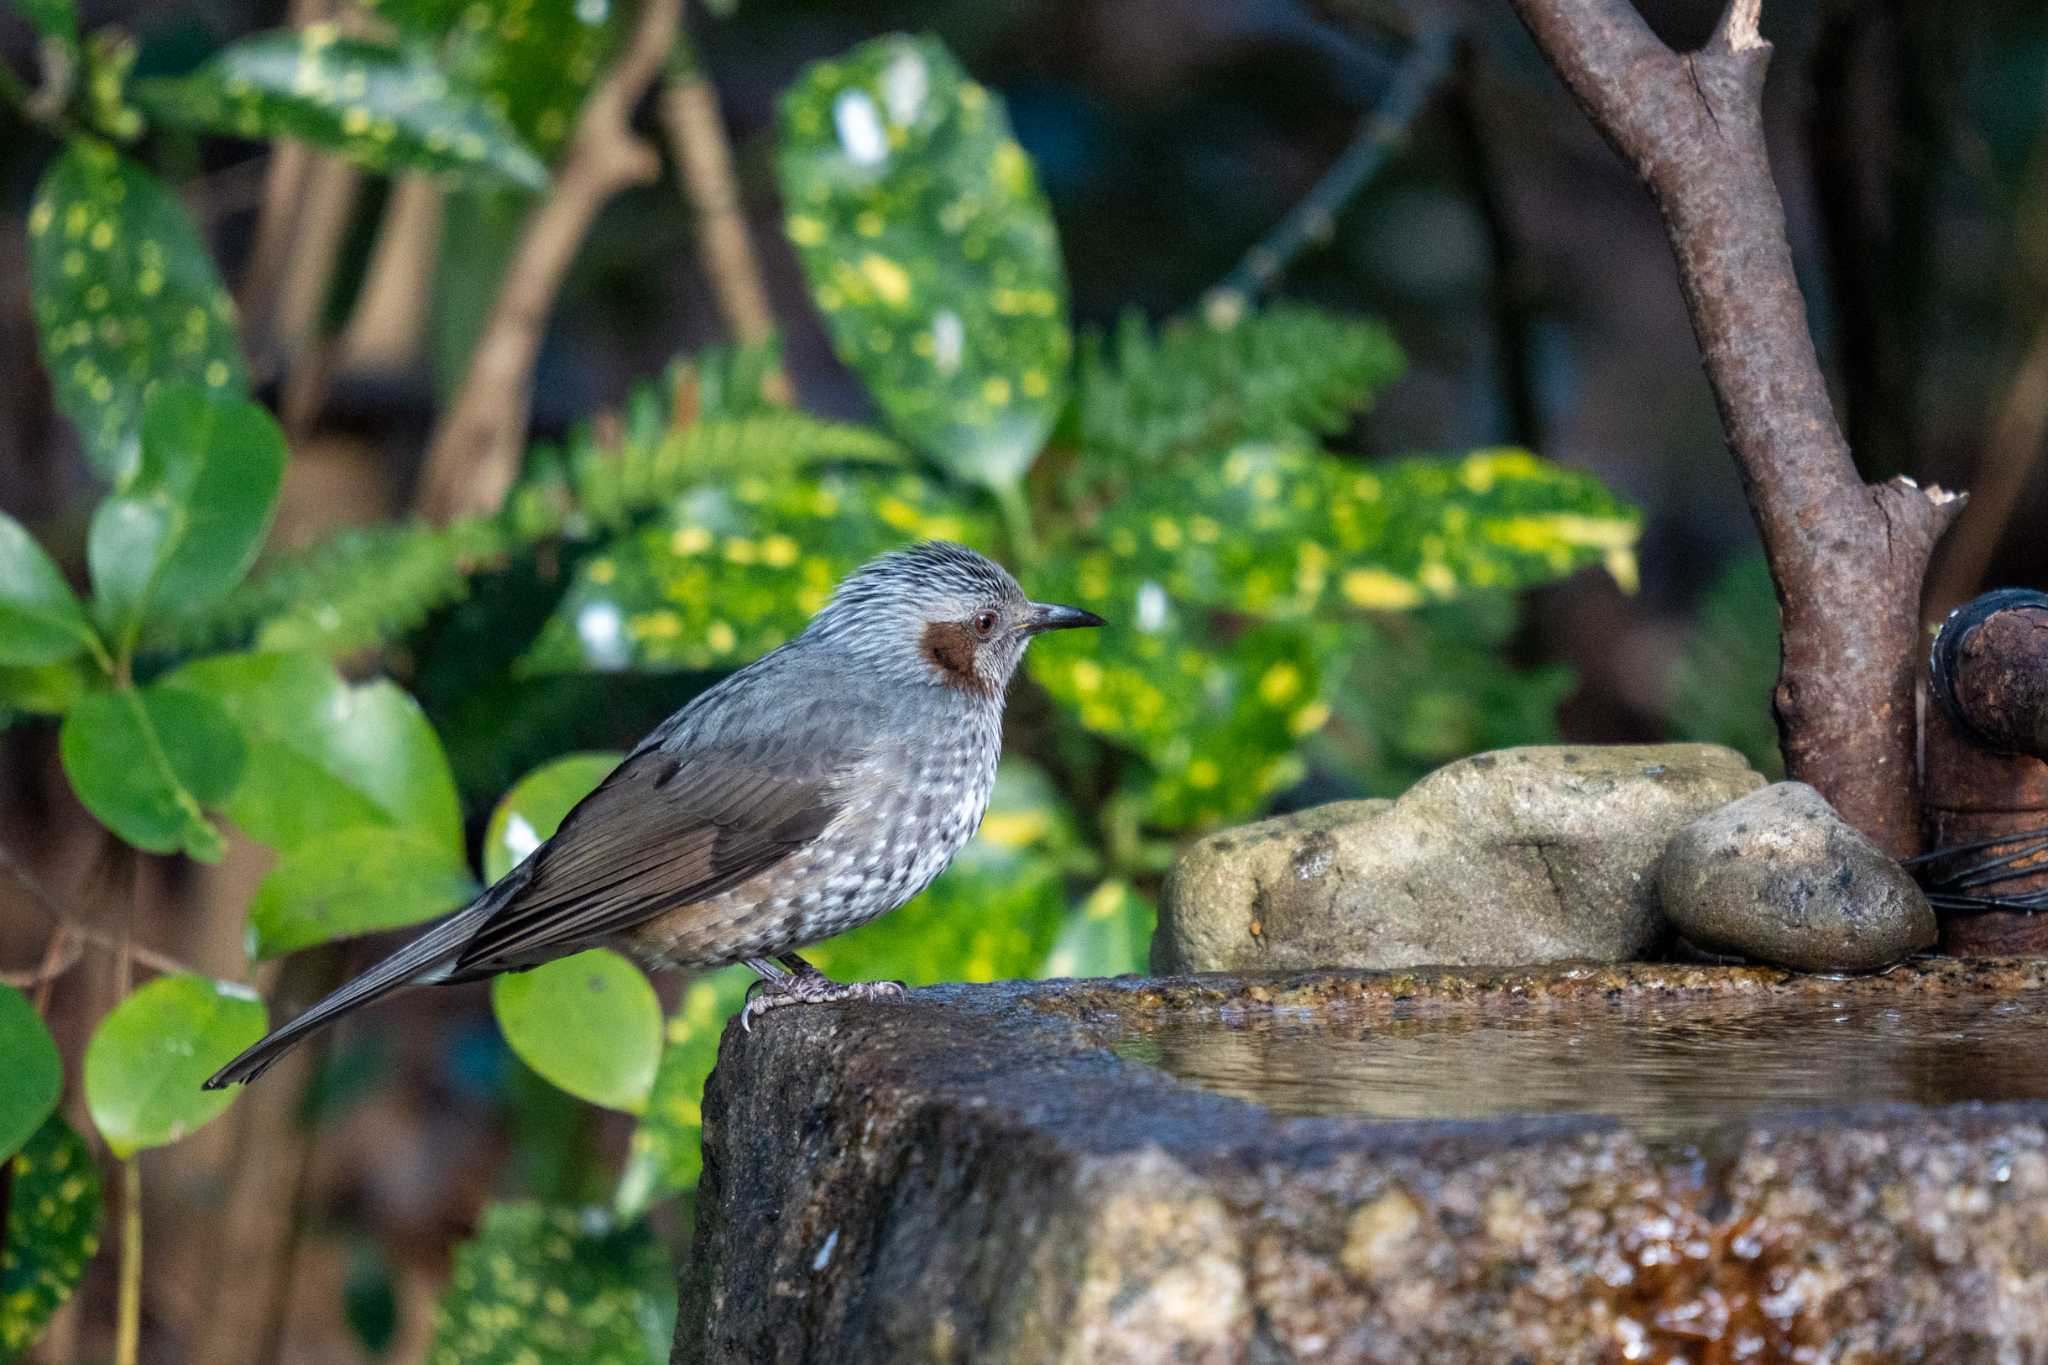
(985, 624)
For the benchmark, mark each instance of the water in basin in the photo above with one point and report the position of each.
(1670, 1070)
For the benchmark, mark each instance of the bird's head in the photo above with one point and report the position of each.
(940, 614)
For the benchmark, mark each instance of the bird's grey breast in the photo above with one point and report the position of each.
(909, 769)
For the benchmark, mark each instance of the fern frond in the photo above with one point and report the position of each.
(607, 489)
(1286, 373)
(361, 588)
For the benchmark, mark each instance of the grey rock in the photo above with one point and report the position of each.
(1778, 877)
(1521, 856)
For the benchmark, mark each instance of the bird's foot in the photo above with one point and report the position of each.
(812, 988)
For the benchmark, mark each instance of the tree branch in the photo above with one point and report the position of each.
(474, 456)
(698, 145)
(59, 959)
(1848, 559)
(1380, 133)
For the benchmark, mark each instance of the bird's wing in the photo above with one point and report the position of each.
(665, 830)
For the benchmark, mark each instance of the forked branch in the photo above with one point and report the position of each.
(474, 456)
(1848, 558)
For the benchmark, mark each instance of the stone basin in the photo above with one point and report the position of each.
(1571, 1163)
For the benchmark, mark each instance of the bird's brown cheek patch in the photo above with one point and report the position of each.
(951, 646)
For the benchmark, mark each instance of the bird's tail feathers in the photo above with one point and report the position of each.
(416, 962)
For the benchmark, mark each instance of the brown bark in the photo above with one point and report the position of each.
(1848, 558)
(697, 140)
(474, 455)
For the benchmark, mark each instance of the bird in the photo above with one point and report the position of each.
(822, 785)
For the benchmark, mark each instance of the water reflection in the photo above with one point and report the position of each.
(1671, 1070)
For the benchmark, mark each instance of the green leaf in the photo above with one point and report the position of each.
(1218, 723)
(736, 570)
(540, 1285)
(666, 1154)
(355, 881)
(1287, 373)
(45, 689)
(34, 1072)
(51, 19)
(1109, 935)
(187, 526)
(146, 1060)
(125, 298)
(148, 763)
(41, 621)
(930, 251)
(422, 19)
(52, 1232)
(534, 808)
(588, 1024)
(384, 108)
(324, 756)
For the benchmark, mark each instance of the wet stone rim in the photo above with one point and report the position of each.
(969, 1174)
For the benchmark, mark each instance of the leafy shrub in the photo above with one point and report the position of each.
(1171, 478)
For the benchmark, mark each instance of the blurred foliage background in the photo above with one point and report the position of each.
(1238, 323)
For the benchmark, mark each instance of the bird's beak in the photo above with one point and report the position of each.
(1046, 616)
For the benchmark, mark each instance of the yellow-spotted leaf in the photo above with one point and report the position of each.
(588, 1024)
(543, 1285)
(146, 1060)
(734, 571)
(1287, 531)
(384, 107)
(52, 1231)
(1109, 934)
(1218, 719)
(125, 298)
(666, 1153)
(929, 249)
(534, 61)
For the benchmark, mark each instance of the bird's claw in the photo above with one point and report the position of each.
(810, 990)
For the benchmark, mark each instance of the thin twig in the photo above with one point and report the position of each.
(161, 963)
(128, 1312)
(60, 955)
(702, 151)
(1314, 218)
(474, 456)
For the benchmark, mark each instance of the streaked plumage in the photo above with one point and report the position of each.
(826, 783)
